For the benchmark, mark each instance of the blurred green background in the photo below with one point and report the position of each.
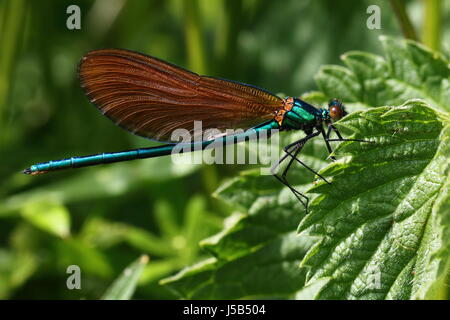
(103, 218)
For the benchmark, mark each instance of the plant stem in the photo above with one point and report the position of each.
(194, 39)
(11, 20)
(405, 23)
(431, 31)
(227, 30)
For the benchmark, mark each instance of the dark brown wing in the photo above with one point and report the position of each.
(152, 98)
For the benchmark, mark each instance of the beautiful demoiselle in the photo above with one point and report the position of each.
(152, 98)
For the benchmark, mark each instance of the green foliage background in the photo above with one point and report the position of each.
(104, 218)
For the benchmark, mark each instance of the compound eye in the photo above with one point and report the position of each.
(336, 112)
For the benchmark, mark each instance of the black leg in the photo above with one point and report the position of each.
(294, 157)
(292, 150)
(283, 179)
(332, 128)
(327, 143)
(296, 147)
(327, 139)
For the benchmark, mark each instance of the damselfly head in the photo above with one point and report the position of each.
(336, 110)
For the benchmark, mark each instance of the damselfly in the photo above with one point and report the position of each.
(152, 98)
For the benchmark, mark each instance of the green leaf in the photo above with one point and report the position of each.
(195, 212)
(90, 259)
(156, 270)
(124, 286)
(104, 234)
(48, 216)
(380, 230)
(257, 256)
(409, 71)
(380, 222)
(438, 266)
(15, 268)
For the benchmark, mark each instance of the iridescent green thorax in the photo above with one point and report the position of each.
(299, 115)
